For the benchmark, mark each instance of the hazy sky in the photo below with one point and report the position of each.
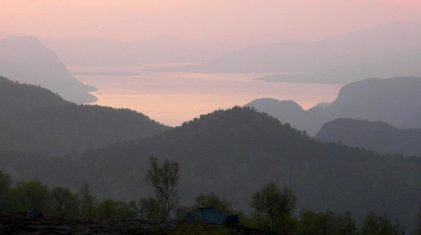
(246, 21)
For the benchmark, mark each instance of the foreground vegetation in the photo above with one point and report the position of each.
(273, 208)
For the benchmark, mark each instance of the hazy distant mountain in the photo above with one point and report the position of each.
(27, 60)
(234, 153)
(377, 136)
(110, 52)
(37, 120)
(286, 111)
(387, 51)
(396, 101)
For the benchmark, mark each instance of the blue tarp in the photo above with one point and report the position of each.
(210, 216)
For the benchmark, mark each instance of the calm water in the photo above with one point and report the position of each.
(172, 98)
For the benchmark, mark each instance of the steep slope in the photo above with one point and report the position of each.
(394, 100)
(233, 153)
(377, 136)
(35, 119)
(27, 60)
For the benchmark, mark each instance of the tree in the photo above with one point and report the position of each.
(149, 209)
(273, 202)
(378, 224)
(63, 203)
(110, 209)
(31, 194)
(273, 208)
(212, 201)
(164, 179)
(5, 184)
(325, 223)
(87, 202)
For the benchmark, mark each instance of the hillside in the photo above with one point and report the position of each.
(395, 100)
(234, 153)
(27, 60)
(17, 97)
(377, 136)
(36, 120)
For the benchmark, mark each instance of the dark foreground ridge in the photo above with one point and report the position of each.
(20, 224)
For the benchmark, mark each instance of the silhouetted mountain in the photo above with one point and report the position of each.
(377, 136)
(27, 60)
(35, 119)
(396, 101)
(234, 153)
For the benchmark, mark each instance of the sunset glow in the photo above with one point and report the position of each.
(245, 21)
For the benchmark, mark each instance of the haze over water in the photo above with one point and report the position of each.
(173, 97)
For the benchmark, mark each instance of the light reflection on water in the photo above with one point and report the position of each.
(172, 98)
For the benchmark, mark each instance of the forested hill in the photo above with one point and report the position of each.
(17, 98)
(235, 152)
(34, 119)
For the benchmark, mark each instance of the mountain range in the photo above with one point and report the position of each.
(27, 60)
(396, 101)
(384, 51)
(230, 152)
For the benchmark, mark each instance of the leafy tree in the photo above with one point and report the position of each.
(378, 224)
(325, 223)
(213, 201)
(31, 194)
(273, 208)
(63, 203)
(164, 179)
(274, 202)
(149, 208)
(5, 184)
(106, 210)
(110, 209)
(87, 202)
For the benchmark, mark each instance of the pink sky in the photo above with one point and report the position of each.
(248, 21)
